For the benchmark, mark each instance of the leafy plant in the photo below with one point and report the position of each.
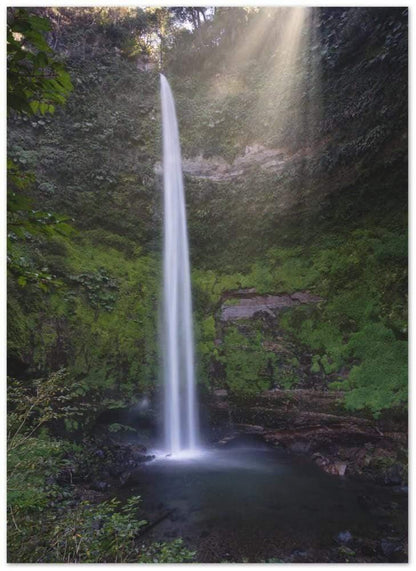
(100, 533)
(107, 532)
(31, 407)
(36, 79)
(380, 380)
(172, 552)
(246, 362)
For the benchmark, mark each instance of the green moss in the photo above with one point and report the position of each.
(315, 367)
(246, 362)
(380, 380)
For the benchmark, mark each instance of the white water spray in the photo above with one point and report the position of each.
(181, 420)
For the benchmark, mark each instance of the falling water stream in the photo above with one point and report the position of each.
(181, 423)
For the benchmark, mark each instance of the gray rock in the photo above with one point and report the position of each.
(249, 428)
(344, 537)
(394, 475)
(217, 169)
(248, 307)
(391, 546)
(221, 393)
(298, 554)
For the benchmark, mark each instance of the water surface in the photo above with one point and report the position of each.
(255, 503)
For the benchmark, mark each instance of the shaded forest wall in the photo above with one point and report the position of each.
(329, 216)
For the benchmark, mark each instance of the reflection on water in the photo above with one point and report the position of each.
(257, 503)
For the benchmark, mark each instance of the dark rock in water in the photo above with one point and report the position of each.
(391, 547)
(297, 554)
(394, 475)
(228, 439)
(146, 458)
(249, 428)
(329, 466)
(137, 451)
(344, 537)
(127, 457)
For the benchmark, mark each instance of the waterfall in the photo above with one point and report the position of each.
(181, 421)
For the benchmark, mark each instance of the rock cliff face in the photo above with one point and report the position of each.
(248, 304)
(218, 169)
(328, 167)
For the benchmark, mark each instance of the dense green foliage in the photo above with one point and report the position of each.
(36, 82)
(75, 319)
(47, 525)
(69, 298)
(82, 330)
(36, 79)
(361, 325)
(48, 522)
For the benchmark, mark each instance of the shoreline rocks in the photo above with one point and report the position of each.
(313, 423)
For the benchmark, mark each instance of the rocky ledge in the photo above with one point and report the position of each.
(246, 303)
(313, 422)
(104, 464)
(217, 169)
